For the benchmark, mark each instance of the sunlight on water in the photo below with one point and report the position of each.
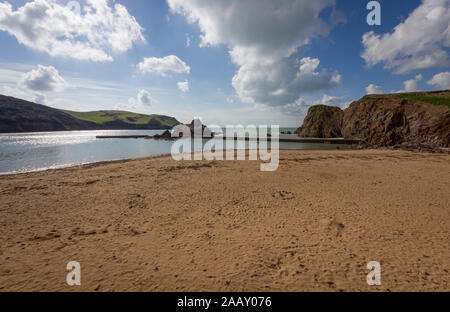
(49, 139)
(51, 150)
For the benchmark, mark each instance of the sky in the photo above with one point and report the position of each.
(262, 62)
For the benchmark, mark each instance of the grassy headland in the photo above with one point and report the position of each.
(436, 98)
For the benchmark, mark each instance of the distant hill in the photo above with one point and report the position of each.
(18, 115)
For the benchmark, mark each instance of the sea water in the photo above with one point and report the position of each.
(27, 152)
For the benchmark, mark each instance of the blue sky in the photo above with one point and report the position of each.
(247, 62)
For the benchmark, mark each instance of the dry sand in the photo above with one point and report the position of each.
(158, 225)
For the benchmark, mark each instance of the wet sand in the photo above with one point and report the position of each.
(159, 225)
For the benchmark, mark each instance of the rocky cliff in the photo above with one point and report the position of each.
(322, 122)
(418, 120)
(385, 121)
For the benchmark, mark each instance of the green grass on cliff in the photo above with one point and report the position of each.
(102, 117)
(436, 98)
(318, 110)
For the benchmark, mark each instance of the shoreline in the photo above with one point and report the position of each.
(80, 166)
(85, 130)
(64, 167)
(154, 224)
(99, 163)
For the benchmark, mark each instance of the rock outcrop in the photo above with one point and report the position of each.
(195, 127)
(322, 122)
(417, 121)
(166, 135)
(198, 129)
(395, 122)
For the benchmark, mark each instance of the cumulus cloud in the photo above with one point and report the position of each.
(144, 98)
(334, 101)
(141, 102)
(441, 81)
(281, 83)
(161, 66)
(264, 44)
(417, 43)
(183, 86)
(53, 28)
(412, 84)
(276, 31)
(188, 40)
(374, 89)
(40, 99)
(44, 78)
(300, 107)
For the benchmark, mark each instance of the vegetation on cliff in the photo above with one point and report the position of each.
(436, 98)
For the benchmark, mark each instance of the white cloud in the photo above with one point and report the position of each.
(29, 85)
(44, 78)
(257, 28)
(40, 99)
(417, 43)
(51, 27)
(333, 101)
(161, 66)
(188, 41)
(301, 106)
(441, 81)
(413, 84)
(142, 102)
(183, 86)
(144, 98)
(281, 83)
(264, 38)
(374, 89)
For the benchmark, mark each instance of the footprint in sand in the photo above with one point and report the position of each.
(283, 195)
(332, 227)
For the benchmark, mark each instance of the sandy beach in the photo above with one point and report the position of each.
(159, 225)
